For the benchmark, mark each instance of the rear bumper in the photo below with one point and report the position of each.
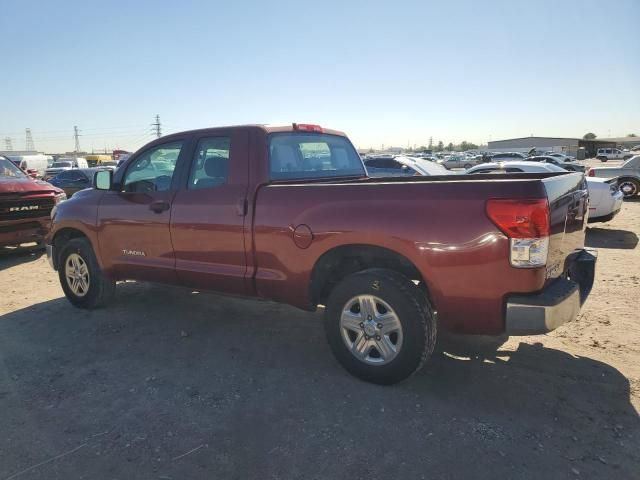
(557, 304)
(16, 232)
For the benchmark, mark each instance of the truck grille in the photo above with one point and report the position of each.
(25, 208)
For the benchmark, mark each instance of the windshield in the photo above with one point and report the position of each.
(61, 164)
(298, 156)
(8, 169)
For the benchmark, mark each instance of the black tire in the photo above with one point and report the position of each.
(412, 308)
(602, 159)
(101, 288)
(468, 166)
(630, 187)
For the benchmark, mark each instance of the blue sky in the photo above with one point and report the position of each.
(387, 72)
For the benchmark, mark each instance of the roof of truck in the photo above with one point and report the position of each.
(293, 127)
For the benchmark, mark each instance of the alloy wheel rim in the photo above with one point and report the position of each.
(628, 188)
(77, 274)
(371, 330)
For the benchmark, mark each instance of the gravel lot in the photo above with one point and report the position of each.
(170, 384)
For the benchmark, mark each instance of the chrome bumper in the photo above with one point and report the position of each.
(557, 304)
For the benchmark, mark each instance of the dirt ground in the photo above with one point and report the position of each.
(170, 384)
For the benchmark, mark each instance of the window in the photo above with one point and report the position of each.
(302, 156)
(70, 175)
(210, 166)
(153, 170)
(8, 169)
(76, 176)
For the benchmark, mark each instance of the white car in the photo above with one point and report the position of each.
(402, 166)
(605, 198)
(605, 154)
(561, 156)
(458, 161)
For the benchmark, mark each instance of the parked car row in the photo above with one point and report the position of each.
(605, 194)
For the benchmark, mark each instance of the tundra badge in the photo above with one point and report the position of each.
(136, 253)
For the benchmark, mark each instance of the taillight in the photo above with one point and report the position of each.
(591, 172)
(526, 223)
(307, 127)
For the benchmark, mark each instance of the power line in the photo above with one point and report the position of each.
(157, 126)
(28, 144)
(76, 136)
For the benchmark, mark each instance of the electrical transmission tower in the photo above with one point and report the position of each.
(157, 127)
(76, 137)
(8, 144)
(29, 146)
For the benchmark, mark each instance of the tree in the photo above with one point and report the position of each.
(464, 146)
(440, 146)
(632, 135)
(450, 147)
(589, 136)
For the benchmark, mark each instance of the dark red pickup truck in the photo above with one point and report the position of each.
(25, 205)
(289, 214)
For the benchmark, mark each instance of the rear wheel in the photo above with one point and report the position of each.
(82, 281)
(467, 166)
(629, 187)
(380, 326)
(602, 159)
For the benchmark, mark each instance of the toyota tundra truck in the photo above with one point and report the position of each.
(25, 206)
(289, 214)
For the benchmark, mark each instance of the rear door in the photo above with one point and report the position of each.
(134, 220)
(209, 214)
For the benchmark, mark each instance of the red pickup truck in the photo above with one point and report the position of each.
(289, 214)
(25, 205)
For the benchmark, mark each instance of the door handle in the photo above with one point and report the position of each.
(159, 206)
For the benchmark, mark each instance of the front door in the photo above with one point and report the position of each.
(209, 215)
(134, 220)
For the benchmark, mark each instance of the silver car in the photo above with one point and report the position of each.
(628, 176)
(459, 161)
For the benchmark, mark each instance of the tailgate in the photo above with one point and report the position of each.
(568, 212)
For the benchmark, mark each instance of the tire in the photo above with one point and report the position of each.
(629, 187)
(96, 289)
(602, 159)
(393, 296)
(468, 166)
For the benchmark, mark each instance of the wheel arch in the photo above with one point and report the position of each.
(341, 261)
(62, 236)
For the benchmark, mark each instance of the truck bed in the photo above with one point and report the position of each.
(438, 223)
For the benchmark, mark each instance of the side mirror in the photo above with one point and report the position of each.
(103, 180)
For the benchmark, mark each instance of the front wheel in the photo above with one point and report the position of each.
(467, 166)
(82, 281)
(380, 326)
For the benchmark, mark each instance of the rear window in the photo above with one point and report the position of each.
(297, 156)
